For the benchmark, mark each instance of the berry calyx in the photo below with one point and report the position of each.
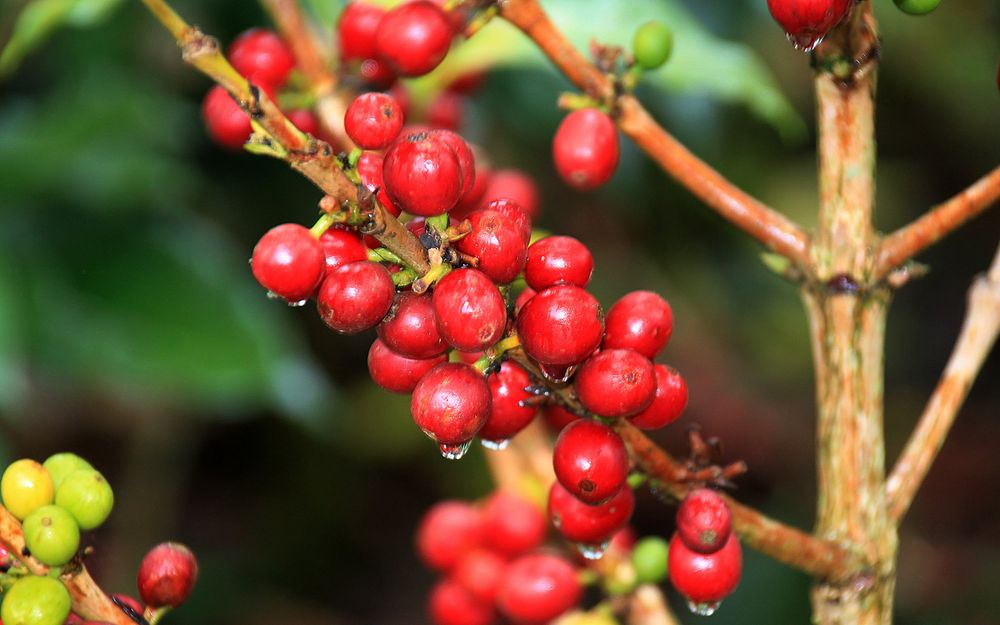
(471, 313)
(590, 461)
(498, 243)
(640, 320)
(397, 373)
(261, 56)
(355, 297)
(422, 174)
(585, 149)
(586, 524)
(513, 524)
(167, 575)
(616, 383)
(669, 403)
(451, 403)
(558, 260)
(410, 329)
(25, 487)
(373, 120)
(704, 521)
(537, 588)
(414, 37)
(448, 531)
(560, 326)
(87, 496)
(806, 22)
(917, 7)
(51, 535)
(34, 600)
(227, 124)
(289, 262)
(705, 579)
(652, 44)
(450, 603)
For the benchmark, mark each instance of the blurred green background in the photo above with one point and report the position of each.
(132, 332)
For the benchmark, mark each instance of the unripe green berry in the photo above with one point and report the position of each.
(652, 45)
(52, 535)
(36, 601)
(62, 464)
(87, 496)
(649, 557)
(917, 7)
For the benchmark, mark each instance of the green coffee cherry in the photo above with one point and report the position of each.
(652, 45)
(649, 557)
(917, 7)
(36, 601)
(87, 496)
(25, 487)
(62, 464)
(52, 535)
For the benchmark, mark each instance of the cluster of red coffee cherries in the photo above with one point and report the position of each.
(705, 560)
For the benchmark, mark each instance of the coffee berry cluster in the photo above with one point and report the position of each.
(55, 501)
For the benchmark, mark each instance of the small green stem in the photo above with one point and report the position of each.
(382, 255)
(322, 224)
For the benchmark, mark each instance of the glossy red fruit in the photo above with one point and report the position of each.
(537, 588)
(473, 200)
(355, 297)
(225, 121)
(558, 260)
(356, 30)
(585, 149)
(446, 110)
(466, 159)
(510, 414)
(806, 22)
(471, 313)
(447, 531)
(561, 325)
(513, 525)
(261, 56)
(410, 328)
(616, 383)
(289, 262)
(498, 243)
(422, 174)
(522, 299)
(305, 120)
(167, 575)
(373, 120)
(558, 417)
(704, 521)
(370, 171)
(670, 401)
(705, 578)
(342, 246)
(640, 320)
(590, 461)
(479, 572)
(450, 603)
(414, 38)
(512, 210)
(585, 524)
(397, 373)
(451, 403)
(517, 186)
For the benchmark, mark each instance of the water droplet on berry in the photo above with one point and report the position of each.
(703, 609)
(593, 552)
(804, 42)
(558, 374)
(454, 452)
(495, 445)
(298, 304)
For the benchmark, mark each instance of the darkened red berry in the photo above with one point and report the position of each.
(513, 524)
(640, 320)
(704, 521)
(446, 110)
(558, 417)
(586, 524)
(422, 174)
(167, 575)
(471, 314)
(448, 530)
(261, 56)
(479, 572)
(414, 38)
(585, 149)
(517, 186)
(370, 172)
(225, 121)
(558, 260)
(537, 588)
(289, 262)
(342, 246)
(305, 120)
(397, 373)
(590, 461)
(355, 297)
(450, 403)
(410, 328)
(806, 22)
(466, 159)
(467, 83)
(356, 30)
(705, 578)
(561, 325)
(616, 383)
(670, 401)
(450, 603)
(498, 243)
(510, 414)
(373, 120)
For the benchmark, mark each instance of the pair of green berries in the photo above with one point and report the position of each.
(56, 500)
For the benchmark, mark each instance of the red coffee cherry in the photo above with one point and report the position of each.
(422, 174)
(537, 588)
(585, 149)
(558, 260)
(451, 604)
(558, 417)
(225, 121)
(373, 120)
(450, 403)
(304, 120)
(585, 524)
(342, 246)
(705, 579)
(414, 38)
(356, 30)
(517, 186)
(397, 373)
(480, 572)
(509, 414)
(370, 172)
(512, 210)
(498, 243)
(289, 262)
(806, 22)
(466, 159)
(671, 399)
(446, 110)
(262, 57)
(640, 320)
(560, 326)
(513, 525)
(522, 299)
(471, 313)
(447, 531)
(616, 383)
(590, 461)
(410, 328)
(704, 521)
(167, 575)
(355, 297)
